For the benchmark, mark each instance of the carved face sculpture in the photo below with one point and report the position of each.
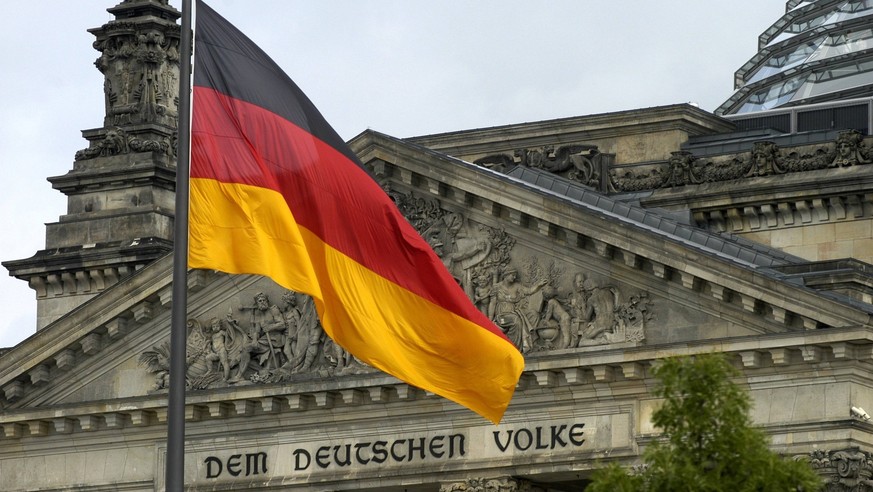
(435, 237)
(289, 299)
(262, 301)
(845, 149)
(215, 325)
(579, 281)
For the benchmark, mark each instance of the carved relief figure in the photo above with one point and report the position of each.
(309, 337)
(266, 336)
(510, 306)
(554, 325)
(600, 313)
(577, 301)
(218, 343)
(292, 323)
(157, 362)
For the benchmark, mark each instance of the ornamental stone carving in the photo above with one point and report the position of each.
(117, 141)
(501, 484)
(850, 150)
(139, 61)
(765, 159)
(141, 70)
(848, 470)
(258, 343)
(579, 163)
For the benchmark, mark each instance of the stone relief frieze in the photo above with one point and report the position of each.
(579, 163)
(538, 305)
(257, 343)
(765, 159)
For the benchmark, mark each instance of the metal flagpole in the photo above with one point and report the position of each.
(175, 465)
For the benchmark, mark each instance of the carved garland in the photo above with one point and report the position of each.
(765, 159)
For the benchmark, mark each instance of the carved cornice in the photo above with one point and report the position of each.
(474, 144)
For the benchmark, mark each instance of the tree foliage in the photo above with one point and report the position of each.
(709, 442)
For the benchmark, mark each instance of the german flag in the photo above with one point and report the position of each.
(276, 192)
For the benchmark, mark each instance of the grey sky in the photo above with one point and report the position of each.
(400, 67)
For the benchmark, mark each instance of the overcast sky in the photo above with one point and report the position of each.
(401, 67)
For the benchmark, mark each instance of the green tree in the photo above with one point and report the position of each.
(709, 442)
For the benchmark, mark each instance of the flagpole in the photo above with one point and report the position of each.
(175, 464)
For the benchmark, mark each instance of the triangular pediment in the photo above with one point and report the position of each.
(564, 273)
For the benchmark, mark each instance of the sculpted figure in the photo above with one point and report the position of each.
(509, 294)
(578, 302)
(308, 336)
(555, 314)
(292, 322)
(483, 294)
(266, 335)
(600, 310)
(218, 342)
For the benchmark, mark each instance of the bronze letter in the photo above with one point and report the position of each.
(210, 460)
(252, 463)
(233, 464)
(398, 459)
(502, 447)
(576, 433)
(347, 460)
(323, 453)
(413, 448)
(380, 454)
(436, 446)
(461, 450)
(358, 447)
(529, 440)
(556, 436)
(305, 454)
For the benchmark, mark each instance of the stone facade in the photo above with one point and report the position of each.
(599, 244)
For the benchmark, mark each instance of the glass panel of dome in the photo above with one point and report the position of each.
(786, 60)
(844, 44)
(858, 79)
(852, 10)
(836, 79)
(773, 96)
(802, 26)
(856, 6)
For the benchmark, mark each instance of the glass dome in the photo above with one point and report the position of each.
(818, 51)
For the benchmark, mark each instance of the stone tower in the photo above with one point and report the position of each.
(120, 192)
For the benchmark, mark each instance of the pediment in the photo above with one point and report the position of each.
(564, 277)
